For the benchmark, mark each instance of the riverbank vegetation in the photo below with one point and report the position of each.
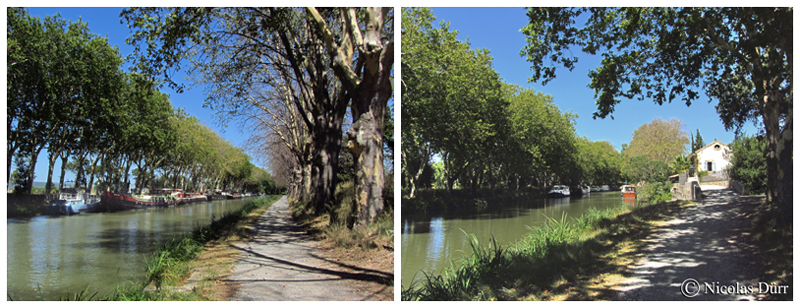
(171, 264)
(563, 259)
(68, 95)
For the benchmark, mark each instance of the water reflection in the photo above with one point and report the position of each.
(436, 241)
(431, 243)
(51, 257)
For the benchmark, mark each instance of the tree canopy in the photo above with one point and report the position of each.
(658, 140)
(464, 128)
(294, 72)
(741, 57)
(68, 94)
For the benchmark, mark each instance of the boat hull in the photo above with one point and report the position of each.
(73, 204)
(114, 202)
(554, 194)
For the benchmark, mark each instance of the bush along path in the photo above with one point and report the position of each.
(281, 262)
(705, 251)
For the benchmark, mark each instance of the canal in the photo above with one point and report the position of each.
(53, 257)
(430, 242)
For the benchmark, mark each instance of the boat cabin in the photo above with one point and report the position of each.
(629, 191)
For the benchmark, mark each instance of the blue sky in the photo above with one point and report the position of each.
(106, 22)
(498, 30)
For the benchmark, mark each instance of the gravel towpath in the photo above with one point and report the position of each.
(280, 263)
(709, 243)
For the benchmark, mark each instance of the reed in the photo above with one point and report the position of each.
(543, 257)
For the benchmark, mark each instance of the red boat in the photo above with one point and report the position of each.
(114, 202)
(629, 191)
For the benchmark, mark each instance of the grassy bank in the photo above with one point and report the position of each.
(564, 259)
(171, 264)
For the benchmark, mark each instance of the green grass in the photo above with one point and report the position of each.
(544, 259)
(168, 263)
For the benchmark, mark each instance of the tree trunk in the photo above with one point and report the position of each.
(31, 173)
(52, 157)
(11, 151)
(64, 172)
(779, 159)
(366, 144)
(92, 172)
(326, 166)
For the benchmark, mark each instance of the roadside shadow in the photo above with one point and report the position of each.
(342, 275)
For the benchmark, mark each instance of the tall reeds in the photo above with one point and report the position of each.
(491, 270)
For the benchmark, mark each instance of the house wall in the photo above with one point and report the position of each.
(713, 155)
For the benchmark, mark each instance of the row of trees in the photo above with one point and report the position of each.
(68, 95)
(485, 132)
(289, 75)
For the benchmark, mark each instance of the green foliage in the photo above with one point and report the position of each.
(485, 132)
(168, 263)
(693, 45)
(658, 140)
(542, 139)
(599, 162)
(655, 192)
(697, 142)
(748, 164)
(63, 82)
(452, 99)
(740, 57)
(488, 269)
(641, 168)
(680, 164)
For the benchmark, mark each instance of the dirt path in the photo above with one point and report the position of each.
(709, 243)
(280, 262)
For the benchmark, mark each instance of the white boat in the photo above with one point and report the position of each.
(605, 188)
(73, 201)
(585, 189)
(559, 191)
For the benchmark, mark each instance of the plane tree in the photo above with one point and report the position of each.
(451, 98)
(742, 57)
(659, 140)
(316, 61)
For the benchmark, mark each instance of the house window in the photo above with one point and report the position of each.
(717, 147)
(710, 166)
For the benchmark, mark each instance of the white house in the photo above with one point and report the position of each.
(714, 157)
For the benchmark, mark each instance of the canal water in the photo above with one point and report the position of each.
(431, 242)
(52, 257)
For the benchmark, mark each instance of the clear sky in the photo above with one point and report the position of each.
(106, 22)
(498, 30)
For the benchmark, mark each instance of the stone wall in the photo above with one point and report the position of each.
(688, 191)
(738, 187)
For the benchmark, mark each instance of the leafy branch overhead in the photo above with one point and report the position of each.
(740, 57)
(291, 71)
